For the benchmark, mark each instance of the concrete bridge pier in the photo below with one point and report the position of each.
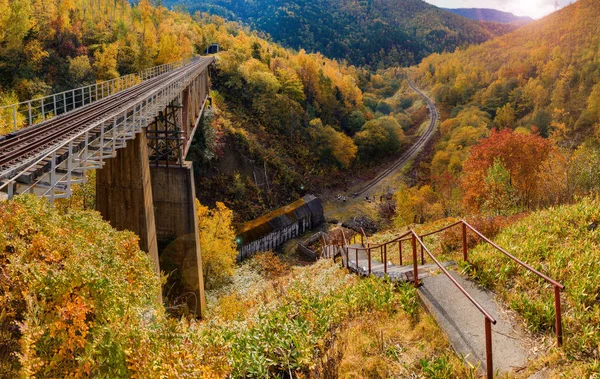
(149, 189)
(175, 212)
(124, 194)
(158, 204)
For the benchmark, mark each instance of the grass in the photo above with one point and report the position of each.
(320, 321)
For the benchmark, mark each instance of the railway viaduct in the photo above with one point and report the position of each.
(135, 131)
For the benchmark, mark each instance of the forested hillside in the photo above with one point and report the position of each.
(522, 119)
(284, 122)
(374, 33)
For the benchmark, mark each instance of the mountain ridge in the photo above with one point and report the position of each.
(371, 33)
(489, 14)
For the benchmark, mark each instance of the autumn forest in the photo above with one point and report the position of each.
(297, 108)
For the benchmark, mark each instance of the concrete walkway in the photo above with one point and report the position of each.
(464, 324)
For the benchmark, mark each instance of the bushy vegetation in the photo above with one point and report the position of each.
(217, 243)
(80, 298)
(75, 293)
(375, 34)
(521, 119)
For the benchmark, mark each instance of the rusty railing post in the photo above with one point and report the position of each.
(400, 251)
(362, 242)
(488, 349)
(385, 259)
(558, 311)
(369, 255)
(422, 255)
(464, 241)
(415, 262)
(356, 256)
(347, 257)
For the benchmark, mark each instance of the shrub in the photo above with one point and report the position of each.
(217, 243)
(270, 266)
(74, 292)
(379, 137)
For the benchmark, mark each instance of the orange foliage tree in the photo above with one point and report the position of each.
(521, 154)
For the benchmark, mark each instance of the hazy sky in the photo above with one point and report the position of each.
(532, 8)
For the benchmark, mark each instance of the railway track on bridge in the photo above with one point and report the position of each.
(414, 149)
(18, 150)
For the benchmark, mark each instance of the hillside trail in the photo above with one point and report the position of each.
(356, 195)
(479, 326)
(454, 312)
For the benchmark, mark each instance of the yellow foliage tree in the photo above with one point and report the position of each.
(217, 243)
(106, 62)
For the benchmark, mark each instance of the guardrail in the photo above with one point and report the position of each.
(417, 239)
(34, 111)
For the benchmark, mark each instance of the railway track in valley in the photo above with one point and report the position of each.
(413, 150)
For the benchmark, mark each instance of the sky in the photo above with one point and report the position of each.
(532, 8)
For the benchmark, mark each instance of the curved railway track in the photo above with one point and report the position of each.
(414, 149)
(18, 147)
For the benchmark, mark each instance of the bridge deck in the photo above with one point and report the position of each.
(69, 144)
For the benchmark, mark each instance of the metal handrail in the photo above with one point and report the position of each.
(489, 319)
(364, 235)
(557, 286)
(520, 262)
(397, 239)
(461, 288)
(442, 229)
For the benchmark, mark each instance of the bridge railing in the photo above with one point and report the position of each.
(116, 127)
(26, 113)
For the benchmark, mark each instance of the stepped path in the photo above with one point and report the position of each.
(454, 313)
(478, 327)
(395, 272)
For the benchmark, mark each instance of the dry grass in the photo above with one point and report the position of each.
(380, 346)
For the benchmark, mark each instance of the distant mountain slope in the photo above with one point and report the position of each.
(543, 77)
(493, 15)
(374, 33)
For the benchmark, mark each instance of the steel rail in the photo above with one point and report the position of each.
(49, 104)
(13, 142)
(412, 150)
